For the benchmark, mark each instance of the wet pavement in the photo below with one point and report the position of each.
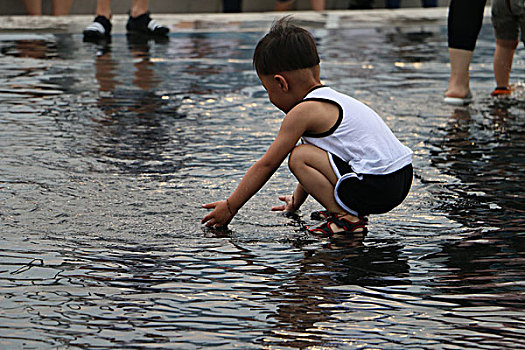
(108, 151)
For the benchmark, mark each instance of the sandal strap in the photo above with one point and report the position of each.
(323, 229)
(320, 215)
(348, 225)
(362, 219)
(325, 214)
(326, 230)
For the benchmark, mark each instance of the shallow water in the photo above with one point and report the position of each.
(108, 151)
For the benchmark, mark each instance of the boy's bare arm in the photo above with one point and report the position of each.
(259, 173)
(299, 196)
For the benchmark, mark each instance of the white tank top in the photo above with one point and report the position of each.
(360, 137)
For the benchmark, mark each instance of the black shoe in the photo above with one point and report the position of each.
(143, 24)
(98, 30)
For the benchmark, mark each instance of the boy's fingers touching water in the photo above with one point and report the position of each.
(288, 206)
(220, 216)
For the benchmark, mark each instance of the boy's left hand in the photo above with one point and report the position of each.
(220, 216)
(288, 206)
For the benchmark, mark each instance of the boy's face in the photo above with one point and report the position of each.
(277, 89)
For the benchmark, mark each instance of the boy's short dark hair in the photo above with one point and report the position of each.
(286, 47)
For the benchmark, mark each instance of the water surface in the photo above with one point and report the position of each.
(108, 151)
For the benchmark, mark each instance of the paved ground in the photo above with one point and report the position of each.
(87, 7)
(215, 21)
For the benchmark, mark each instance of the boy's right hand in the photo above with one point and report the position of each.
(220, 216)
(288, 206)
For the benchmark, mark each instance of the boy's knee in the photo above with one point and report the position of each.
(296, 157)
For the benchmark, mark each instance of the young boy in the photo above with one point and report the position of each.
(508, 16)
(349, 160)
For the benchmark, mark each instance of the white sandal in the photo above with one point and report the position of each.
(458, 101)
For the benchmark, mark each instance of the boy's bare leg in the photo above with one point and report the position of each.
(33, 7)
(139, 7)
(311, 166)
(317, 5)
(503, 61)
(283, 5)
(104, 8)
(61, 7)
(458, 85)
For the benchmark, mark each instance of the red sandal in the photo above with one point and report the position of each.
(320, 215)
(501, 91)
(325, 230)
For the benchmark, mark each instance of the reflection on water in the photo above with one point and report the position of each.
(132, 132)
(483, 152)
(109, 150)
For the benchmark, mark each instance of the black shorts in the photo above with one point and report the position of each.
(362, 194)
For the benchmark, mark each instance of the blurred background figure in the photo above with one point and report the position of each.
(139, 21)
(465, 18)
(395, 4)
(284, 5)
(508, 17)
(60, 7)
(231, 6)
(361, 4)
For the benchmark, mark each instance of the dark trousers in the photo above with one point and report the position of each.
(395, 4)
(360, 4)
(465, 18)
(230, 6)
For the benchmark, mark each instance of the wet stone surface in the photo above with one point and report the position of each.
(108, 151)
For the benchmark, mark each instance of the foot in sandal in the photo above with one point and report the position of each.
(340, 224)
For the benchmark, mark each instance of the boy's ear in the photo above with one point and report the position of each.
(281, 80)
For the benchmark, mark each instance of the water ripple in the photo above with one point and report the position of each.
(109, 151)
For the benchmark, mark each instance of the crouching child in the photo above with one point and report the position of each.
(341, 152)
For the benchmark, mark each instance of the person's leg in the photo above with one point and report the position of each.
(104, 8)
(393, 4)
(360, 4)
(61, 7)
(506, 30)
(33, 7)
(139, 7)
(464, 21)
(100, 28)
(429, 3)
(464, 24)
(140, 22)
(503, 56)
(317, 5)
(283, 5)
(311, 166)
(458, 85)
(232, 6)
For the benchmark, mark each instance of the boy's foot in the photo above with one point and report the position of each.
(143, 24)
(458, 101)
(342, 224)
(501, 91)
(99, 29)
(320, 215)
